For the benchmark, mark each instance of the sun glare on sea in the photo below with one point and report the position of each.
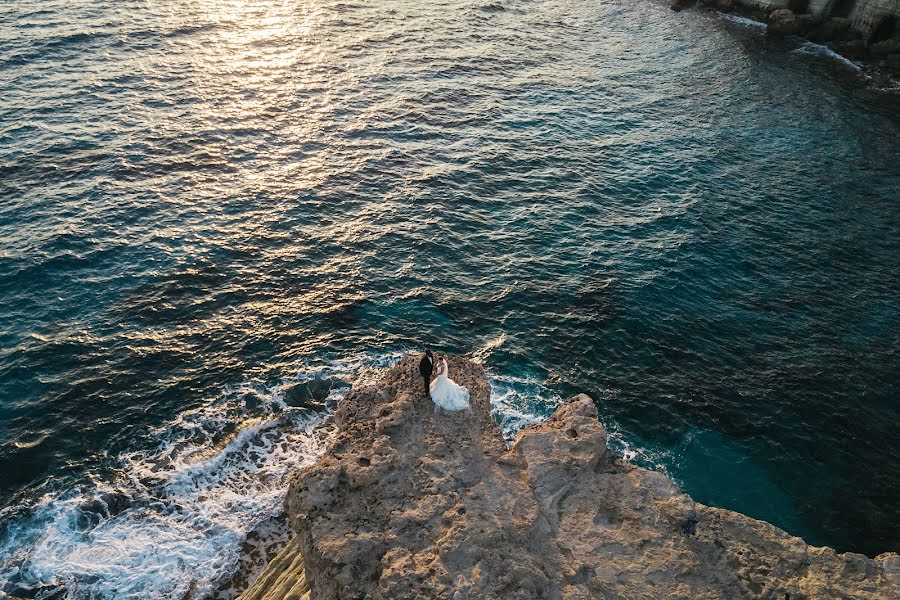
(256, 36)
(256, 66)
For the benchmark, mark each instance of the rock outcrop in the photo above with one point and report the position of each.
(783, 21)
(867, 30)
(410, 504)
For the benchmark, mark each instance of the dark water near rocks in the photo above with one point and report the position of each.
(206, 206)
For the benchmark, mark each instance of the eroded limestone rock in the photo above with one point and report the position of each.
(409, 504)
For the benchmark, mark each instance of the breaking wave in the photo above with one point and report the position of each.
(199, 513)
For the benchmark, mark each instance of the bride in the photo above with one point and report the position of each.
(446, 393)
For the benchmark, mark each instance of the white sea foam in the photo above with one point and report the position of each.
(633, 450)
(518, 402)
(173, 524)
(813, 49)
(177, 521)
(744, 21)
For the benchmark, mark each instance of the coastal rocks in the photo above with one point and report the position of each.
(284, 577)
(410, 504)
(836, 29)
(863, 30)
(679, 5)
(886, 47)
(764, 6)
(876, 20)
(854, 49)
(837, 20)
(784, 22)
(722, 5)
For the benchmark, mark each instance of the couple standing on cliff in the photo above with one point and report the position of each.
(443, 391)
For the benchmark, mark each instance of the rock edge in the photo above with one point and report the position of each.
(859, 30)
(409, 504)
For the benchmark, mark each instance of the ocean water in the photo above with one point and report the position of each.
(217, 216)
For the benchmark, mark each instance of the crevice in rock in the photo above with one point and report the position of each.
(887, 29)
(842, 8)
(438, 510)
(799, 7)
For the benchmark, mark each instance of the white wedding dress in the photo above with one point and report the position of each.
(446, 393)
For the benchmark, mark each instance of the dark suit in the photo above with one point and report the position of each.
(425, 367)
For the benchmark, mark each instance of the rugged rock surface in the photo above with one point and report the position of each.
(870, 16)
(783, 21)
(864, 30)
(864, 16)
(834, 29)
(409, 504)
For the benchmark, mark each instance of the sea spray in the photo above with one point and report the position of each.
(518, 402)
(173, 520)
(200, 512)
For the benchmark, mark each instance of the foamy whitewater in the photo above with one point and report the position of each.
(814, 49)
(805, 47)
(668, 211)
(175, 520)
(182, 514)
(745, 21)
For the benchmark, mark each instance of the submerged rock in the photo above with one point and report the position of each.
(410, 504)
(309, 394)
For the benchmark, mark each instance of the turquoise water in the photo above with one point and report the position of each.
(216, 216)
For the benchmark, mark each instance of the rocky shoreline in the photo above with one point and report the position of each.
(409, 504)
(862, 30)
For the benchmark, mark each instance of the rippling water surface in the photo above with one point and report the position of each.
(215, 216)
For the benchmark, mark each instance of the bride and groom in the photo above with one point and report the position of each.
(443, 391)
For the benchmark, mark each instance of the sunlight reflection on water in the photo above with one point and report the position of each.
(671, 213)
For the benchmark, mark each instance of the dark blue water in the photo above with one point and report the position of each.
(215, 216)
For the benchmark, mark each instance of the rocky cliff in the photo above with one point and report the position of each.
(867, 30)
(410, 504)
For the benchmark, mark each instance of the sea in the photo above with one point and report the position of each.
(217, 216)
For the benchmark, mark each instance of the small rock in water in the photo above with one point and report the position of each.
(309, 394)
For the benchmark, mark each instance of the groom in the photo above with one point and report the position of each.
(426, 365)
